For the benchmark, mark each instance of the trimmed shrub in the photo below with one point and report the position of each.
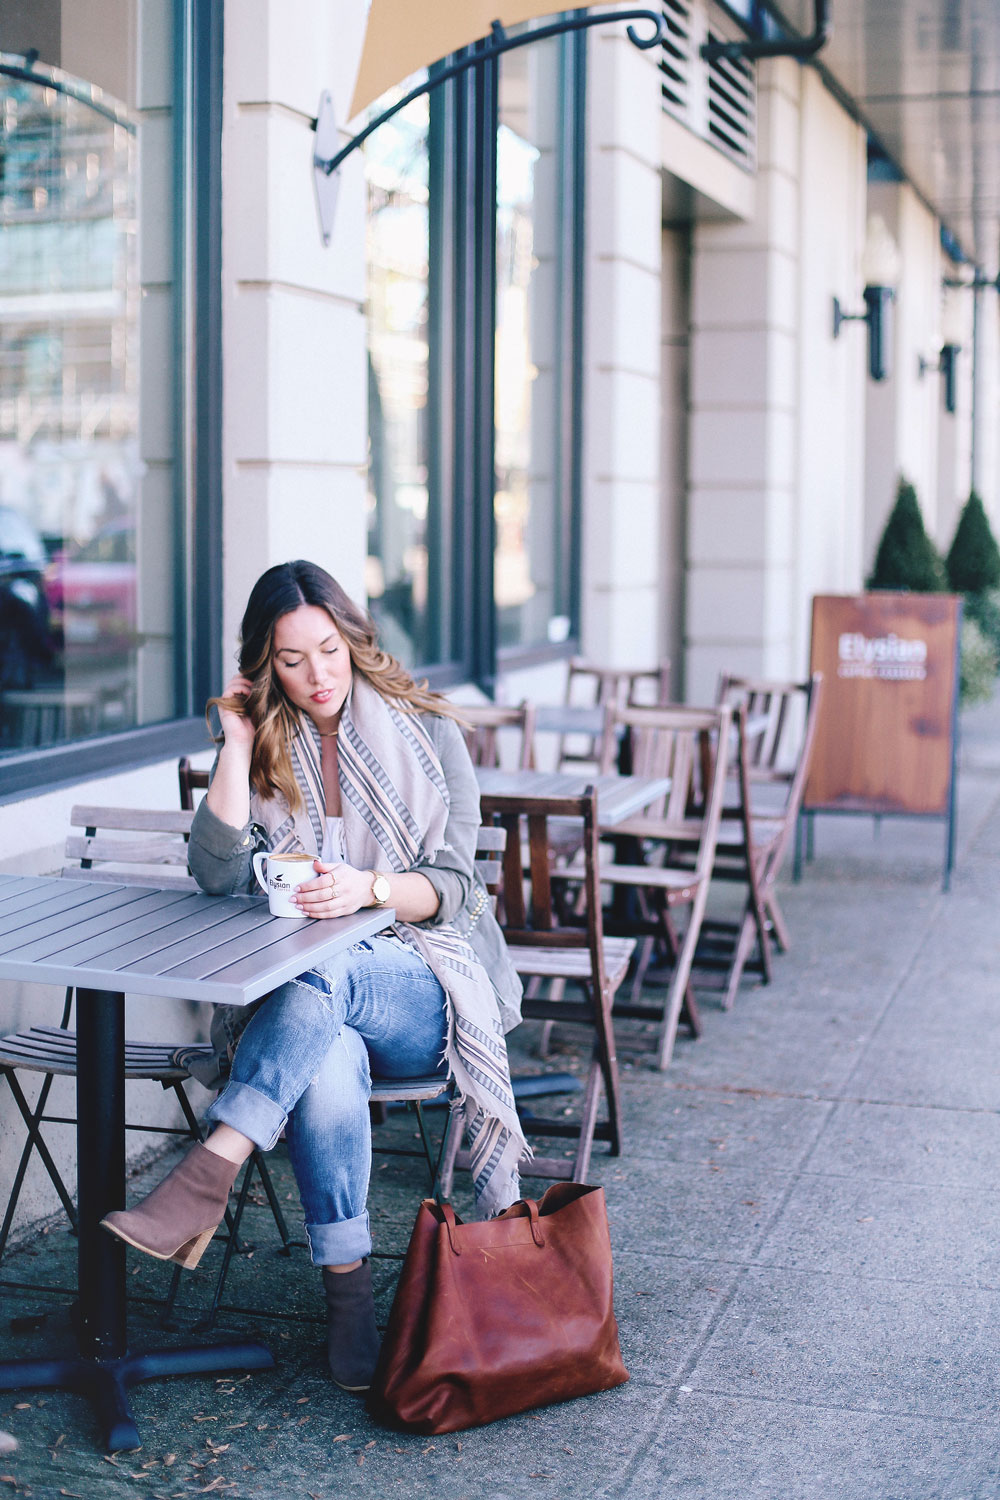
(984, 610)
(973, 561)
(979, 665)
(906, 556)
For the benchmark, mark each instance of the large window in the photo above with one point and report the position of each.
(474, 265)
(98, 504)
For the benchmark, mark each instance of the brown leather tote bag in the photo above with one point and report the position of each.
(494, 1318)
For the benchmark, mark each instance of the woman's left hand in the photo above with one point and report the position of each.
(337, 891)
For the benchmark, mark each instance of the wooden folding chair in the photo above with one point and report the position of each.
(781, 718)
(591, 686)
(572, 952)
(690, 746)
(485, 724)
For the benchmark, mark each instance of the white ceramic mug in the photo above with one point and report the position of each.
(280, 875)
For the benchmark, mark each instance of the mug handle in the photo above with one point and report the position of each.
(257, 861)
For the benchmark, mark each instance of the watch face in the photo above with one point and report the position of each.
(380, 888)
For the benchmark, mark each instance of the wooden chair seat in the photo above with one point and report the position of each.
(574, 964)
(408, 1090)
(765, 831)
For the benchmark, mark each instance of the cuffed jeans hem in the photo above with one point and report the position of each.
(338, 1244)
(250, 1112)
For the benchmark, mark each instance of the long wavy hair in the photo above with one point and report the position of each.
(278, 592)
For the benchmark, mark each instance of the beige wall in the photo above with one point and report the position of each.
(828, 509)
(742, 423)
(295, 413)
(621, 470)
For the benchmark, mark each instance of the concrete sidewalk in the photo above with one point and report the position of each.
(806, 1226)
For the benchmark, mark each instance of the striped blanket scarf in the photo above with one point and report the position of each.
(395, 808)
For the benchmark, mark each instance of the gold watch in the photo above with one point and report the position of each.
(380, 888)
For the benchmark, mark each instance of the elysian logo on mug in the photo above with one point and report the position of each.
(280, 875)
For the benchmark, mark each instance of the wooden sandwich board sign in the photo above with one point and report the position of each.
(886, 738)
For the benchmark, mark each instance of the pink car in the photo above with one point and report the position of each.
(91, 590)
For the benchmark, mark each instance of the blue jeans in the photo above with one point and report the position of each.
(304, 1064)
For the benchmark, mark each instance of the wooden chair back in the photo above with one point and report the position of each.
(782, 720)
(778, 755)
(530, 916)
(691, 747)
(589, 685)
(132, 844)
(485, 725)
(190, 781)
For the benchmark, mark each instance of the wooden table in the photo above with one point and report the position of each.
(105, 939)
(618, 797)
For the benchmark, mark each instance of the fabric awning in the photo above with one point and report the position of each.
(403, 36)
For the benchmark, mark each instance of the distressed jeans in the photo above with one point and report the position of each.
(304, 1064)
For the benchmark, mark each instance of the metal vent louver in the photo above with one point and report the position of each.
(676, 53)
(715, 100)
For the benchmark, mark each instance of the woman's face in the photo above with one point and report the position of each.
(312, 662)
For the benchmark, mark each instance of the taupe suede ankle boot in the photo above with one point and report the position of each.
(352, 1340)
(180, 1216)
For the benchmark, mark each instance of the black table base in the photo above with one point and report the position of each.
(106, 1381)
(104, 1367)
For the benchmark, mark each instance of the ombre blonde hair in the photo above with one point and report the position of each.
(278, 592)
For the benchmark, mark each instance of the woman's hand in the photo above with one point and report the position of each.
(237, 727)
(337, 891)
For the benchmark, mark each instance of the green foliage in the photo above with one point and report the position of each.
(984, 610)
(906, 556)
(980, 661)
(973, 561)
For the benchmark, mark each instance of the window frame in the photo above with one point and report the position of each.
(197, 333)
(462, 143)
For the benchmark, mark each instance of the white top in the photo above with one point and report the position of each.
(334, 849)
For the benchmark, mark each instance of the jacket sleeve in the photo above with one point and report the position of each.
(452, 870)
(219, 855)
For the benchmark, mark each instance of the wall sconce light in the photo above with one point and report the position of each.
(952, 332)
(880, 272)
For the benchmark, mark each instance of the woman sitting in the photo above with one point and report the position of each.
(330, 748)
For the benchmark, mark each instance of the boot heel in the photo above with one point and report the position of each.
(190, 1253)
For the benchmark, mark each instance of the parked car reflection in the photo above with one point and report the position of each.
(26, 641)
(92, 591)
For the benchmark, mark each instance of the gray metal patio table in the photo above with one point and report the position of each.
(618, 797)
(106, 939)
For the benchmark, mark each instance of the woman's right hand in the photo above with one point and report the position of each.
(237, 727)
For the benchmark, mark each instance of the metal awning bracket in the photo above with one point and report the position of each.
(749, 50)
(327, 160)
(327, 182)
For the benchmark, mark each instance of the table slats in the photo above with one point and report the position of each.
(222, 949)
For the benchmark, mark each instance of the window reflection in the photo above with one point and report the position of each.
(398, 567)
(85, 496)
(531, 552)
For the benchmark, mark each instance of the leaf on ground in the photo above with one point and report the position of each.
(372, 1443)
(302, 1401)
(345, 1437)
(206, 1419)
(171, 1458)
